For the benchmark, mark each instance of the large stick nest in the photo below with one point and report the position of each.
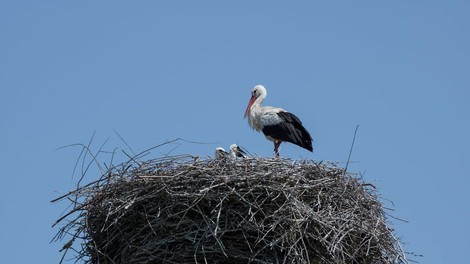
(185, 210)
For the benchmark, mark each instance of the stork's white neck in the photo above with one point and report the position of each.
(262, 94)
(255, 112)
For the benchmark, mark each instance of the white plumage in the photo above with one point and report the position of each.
(235, 152)
(277, 124)
(220, 153)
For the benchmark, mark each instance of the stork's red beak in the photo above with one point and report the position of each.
(252, 100)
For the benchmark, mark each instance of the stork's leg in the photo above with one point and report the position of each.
(277, 143)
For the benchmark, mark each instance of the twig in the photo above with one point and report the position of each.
(350, 150)
(175, 210)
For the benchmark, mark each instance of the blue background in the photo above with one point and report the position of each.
(159, 70)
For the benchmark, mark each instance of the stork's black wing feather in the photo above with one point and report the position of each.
(290, 130)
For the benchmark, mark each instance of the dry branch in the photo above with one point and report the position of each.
(184, 210)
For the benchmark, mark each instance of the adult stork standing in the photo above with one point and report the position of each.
(277, 124)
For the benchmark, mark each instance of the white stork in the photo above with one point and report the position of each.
(220, 154)
(277, 124)
(237, 152)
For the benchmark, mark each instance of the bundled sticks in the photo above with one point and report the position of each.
(184, 210)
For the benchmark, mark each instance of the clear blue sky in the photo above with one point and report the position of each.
(159, 70)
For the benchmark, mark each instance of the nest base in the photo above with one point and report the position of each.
(180, 210)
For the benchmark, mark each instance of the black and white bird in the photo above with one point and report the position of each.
(277, 124)
(221, 154)
(237, 152)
